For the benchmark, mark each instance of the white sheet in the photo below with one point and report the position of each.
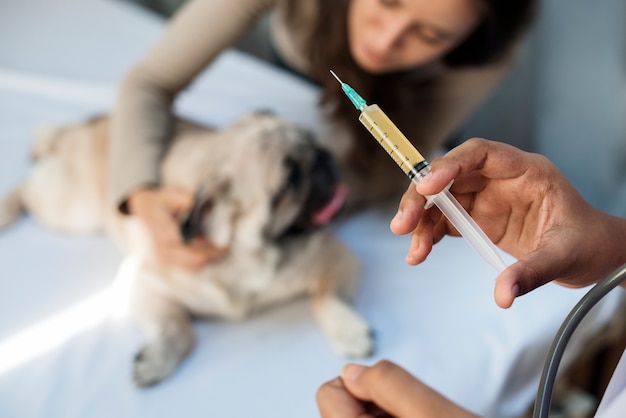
(62, 353)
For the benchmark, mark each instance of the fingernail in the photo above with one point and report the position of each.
(352, 371)
(423, 181)
(515, 290)
(426, 178)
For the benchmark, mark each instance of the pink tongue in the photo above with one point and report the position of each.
(325, 214)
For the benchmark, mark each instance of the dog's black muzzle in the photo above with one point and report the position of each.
(325, 179)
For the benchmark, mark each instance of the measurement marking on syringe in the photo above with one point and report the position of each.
(393, 149)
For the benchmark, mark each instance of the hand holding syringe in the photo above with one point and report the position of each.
(416, 167)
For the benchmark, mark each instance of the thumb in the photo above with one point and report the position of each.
(394, 390)
(530, 272)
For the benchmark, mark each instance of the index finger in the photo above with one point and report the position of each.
(390, 387)
(192, 256)
(399, 393)
(177, 200)
(334, 401)
(492, 159)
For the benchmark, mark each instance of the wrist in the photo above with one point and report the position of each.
(617, 230)
(609, 245)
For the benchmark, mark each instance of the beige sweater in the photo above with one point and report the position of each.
(199, 31)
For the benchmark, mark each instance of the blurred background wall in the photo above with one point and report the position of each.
(580, 109)
(565, 98)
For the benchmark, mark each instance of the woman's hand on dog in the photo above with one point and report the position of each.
(527, 207)
(159, 211)
(382, 390)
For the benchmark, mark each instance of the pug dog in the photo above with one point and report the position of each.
(264, 190)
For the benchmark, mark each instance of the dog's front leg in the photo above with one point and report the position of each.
(169, 333)
(348, 332)
(169, 342)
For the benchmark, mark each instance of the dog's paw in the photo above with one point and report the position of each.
(353, 338)
(349, 334)
(153, 364)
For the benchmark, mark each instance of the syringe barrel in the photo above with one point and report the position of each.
(393, 141)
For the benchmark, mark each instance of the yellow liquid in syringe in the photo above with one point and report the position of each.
(393, 141)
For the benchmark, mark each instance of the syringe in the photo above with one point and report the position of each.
(416, 167)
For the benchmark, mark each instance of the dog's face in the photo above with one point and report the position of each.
(274, 182)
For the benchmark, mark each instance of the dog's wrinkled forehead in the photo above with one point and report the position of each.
(268, 140)
(269, 128)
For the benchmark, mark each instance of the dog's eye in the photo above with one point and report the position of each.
(294, 177)
(293, 181)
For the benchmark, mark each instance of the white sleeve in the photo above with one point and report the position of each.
(613, 404)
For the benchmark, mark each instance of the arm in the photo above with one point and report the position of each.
(143, 120)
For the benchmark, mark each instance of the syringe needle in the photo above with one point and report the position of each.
(335, 75)
(354, 97)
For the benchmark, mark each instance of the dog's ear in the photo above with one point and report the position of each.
(211, 216)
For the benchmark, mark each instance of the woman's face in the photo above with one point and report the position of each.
(393, 35)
